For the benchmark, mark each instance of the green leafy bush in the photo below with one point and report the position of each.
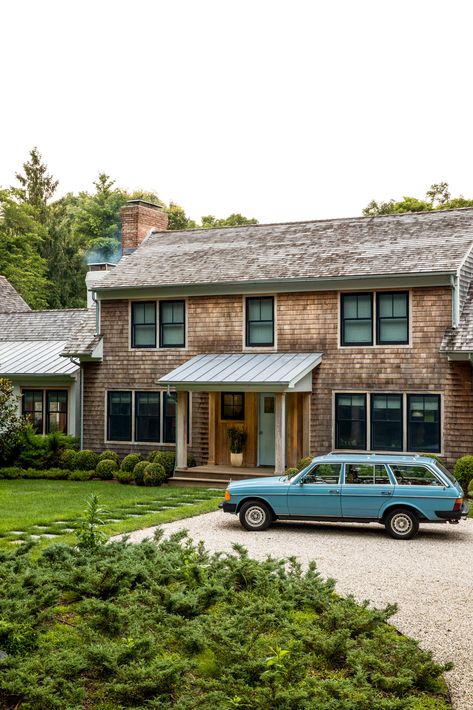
(291, 471)
(81, 475)
(124, 476)
(167, 459)
(173, 627)
(87, 460)
(68, 459)
(130, 461)
(37, 451)
(105, 469)
(470, 489)
(138, 472)
(110, 455)
(463, 471)
(304, 462)
(53, 474)
(154, 475)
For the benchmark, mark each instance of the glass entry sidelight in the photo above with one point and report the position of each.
(266, 440)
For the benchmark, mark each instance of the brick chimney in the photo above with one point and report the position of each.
(138, 219)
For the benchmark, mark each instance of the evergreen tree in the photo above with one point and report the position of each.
(37, 186)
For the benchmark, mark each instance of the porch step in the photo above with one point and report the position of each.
(181, 481)
(213, 476)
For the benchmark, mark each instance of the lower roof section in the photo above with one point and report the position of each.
(251, 372)
(34, 357)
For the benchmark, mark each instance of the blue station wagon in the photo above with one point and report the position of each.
(398, 492)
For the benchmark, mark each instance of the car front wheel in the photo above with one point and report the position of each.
(255, 516)
(402, 524)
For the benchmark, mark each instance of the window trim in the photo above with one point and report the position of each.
(161, 324)
(372, 395)
(378, 294)
(247, 321)
(405, 441)
(343, 295)
(44, 390)
(133, 325)
(233, 419)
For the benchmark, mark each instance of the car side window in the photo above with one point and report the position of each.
(324, 473)
(414, 476)
(366, 474)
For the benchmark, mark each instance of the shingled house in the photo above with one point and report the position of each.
(343, 334)
(31, 343)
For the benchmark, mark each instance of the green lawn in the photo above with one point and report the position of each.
(49, 511)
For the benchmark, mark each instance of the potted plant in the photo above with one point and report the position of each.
(237, 440)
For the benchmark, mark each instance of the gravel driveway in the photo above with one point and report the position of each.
(430, 577)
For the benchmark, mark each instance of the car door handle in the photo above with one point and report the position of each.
(334, 491)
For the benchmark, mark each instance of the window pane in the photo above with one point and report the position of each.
(394, 329)
(324, 473)
(414, 476)
(119, 416)
(364, 306)
(143, 328)
(260, 333)
(56, 409)
(169, 414)
(366, 474)
(385, 305)
(32, 406)
(423, 425)
(267, 309)
(349, 307)
(386, 422)
(358, 331)
(350, 413)
(259, 321)
(172, 335)
(392, 318)
(147, 405)
(172, 324)
(233, 405)
(399, 305)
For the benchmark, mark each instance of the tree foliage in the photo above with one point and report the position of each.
(437, 197)
(11, 424)
(37, 186)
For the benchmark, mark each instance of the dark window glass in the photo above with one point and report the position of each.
(119, 416)
(366, 474)
(172, 324)
(147, 416)
(350, 421)
(56, 411)
(423, 422)
(260, 321)
(386, 422)
(414, 476)
(169, 418)
(233, 405)
(143, 324)
(33, 408)
(392, 318)
(357, 318)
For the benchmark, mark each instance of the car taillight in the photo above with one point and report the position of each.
(458, 504)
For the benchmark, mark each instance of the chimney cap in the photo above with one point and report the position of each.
(145, 203)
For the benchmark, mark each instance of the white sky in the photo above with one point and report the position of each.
(280, 110)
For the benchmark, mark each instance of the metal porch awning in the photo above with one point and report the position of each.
(251, 372)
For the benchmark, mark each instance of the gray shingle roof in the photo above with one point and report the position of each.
(10, 300)
(84, 340)
(58, 325)
(393, 244)
(460, 339)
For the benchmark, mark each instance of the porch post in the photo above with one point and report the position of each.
(306, 416)
(181, 438)
(280, 433)
(212, 415)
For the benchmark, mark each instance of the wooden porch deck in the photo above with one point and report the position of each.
(217, 476)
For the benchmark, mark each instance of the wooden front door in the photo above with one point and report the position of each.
(266, 454)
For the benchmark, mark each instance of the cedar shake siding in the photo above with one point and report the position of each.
(304, 322)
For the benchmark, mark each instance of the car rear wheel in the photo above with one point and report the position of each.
(255, 515)
(402, 524)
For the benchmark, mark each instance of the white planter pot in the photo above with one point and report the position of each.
(236, 459)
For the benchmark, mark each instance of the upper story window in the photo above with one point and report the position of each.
(392, 318)
(389, 312)
(143, 324)
(172, 321)
(357, 318)
(260, 321)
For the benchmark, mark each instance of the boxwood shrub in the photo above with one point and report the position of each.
(87, 460)
(68, 459)
(130, 461)
(138, 472)
(154, 475)
(109, 455)
(105, 469)
(463, 471)
(46, 474)
(124, 476)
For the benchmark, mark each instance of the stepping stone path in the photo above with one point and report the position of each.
(16, 532)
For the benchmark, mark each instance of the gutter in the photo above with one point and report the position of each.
(454, 281)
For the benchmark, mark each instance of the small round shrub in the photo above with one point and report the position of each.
(86, 460)
(463, 471)
(68, 459)
(130, 461)
(138, 472)
(109, 456)
(167, 459)
(124, 476)
(154, 475)
(152, 455)
(291, 471)
(304, 462)
(81, 475)
(470, 489)
(105, 469)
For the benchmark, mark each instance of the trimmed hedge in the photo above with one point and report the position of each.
(106, 469)
(463, 471)
(124, 476)
(53, 474)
